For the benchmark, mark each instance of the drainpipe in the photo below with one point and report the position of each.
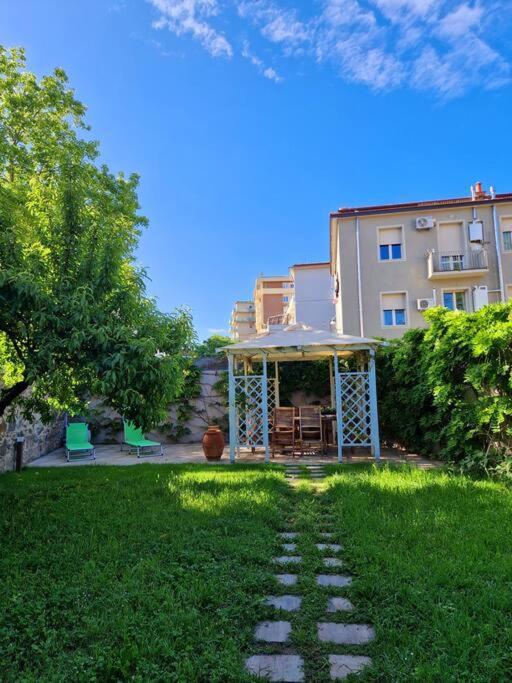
(498, 252)
(359, 292)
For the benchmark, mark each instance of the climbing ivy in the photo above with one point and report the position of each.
(188, 405)
(447, 390)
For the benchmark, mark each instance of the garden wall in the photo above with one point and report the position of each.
(187, 419)
(39, 439)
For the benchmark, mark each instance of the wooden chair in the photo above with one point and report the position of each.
(310, 428)
(283, 430)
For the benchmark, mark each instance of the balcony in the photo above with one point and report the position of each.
(444, 265)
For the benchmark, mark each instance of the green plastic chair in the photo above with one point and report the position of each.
(77, 442)
(135, 440)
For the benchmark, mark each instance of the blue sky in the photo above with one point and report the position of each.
(250, 120)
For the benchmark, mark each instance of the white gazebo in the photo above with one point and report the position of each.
(252, 397)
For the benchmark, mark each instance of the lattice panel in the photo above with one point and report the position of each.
(249, 410)
(271, 400)
(355, 401)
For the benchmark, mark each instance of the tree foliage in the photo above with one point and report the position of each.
(448, 389)
(210, 347)
(75, 319)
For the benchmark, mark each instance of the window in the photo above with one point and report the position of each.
(452, 262)
(455, 301)
(390, 244)
(394, 309)
(285, 299)
(390, 252)
(507, 240)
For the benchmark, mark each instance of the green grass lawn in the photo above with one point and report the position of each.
(153, 572)
(432, 554)
(156, 572)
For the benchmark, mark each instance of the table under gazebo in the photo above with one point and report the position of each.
(253, 396)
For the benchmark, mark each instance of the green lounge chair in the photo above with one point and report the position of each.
(135, 440)
(77, 442)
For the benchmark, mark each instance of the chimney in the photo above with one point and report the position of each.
(479, 191)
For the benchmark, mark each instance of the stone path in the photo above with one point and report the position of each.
(288, 666)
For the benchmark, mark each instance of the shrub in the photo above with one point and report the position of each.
(447, 390)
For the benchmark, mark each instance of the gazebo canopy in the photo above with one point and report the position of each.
(298, 341)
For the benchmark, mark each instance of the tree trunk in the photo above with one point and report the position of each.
(9, 395)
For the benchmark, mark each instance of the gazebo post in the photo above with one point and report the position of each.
(264, 407)
(276, 383)
(374, 413)
(339, 416)
(232, 409)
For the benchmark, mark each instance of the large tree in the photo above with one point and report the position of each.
(75, 319)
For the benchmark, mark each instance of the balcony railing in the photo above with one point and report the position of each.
(453, 263)
(277, 319)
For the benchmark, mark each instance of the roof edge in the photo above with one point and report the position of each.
(429, 204)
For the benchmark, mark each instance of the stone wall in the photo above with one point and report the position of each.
(39, 439)
(209, 408)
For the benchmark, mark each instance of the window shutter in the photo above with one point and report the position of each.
(390, 236)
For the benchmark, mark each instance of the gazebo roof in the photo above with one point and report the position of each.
(298, 341)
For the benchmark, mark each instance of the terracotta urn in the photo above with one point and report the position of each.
(213, 443)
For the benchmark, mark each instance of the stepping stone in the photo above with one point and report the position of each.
(288, 603)
(345, 634)
(289, 547)
(326, 534)
(333, 580)
(284, 668)
(343, 665)
(339, 605)
(287, 559)
(335, 547)
(332, 562)
(273, 631)
(288, 534)
(287, 579)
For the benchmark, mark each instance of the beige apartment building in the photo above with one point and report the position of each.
(272, 294)
(311, 301)
(391, 262)
(243, 320)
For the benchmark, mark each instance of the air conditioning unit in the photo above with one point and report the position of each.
(425, 222)
(423, 304)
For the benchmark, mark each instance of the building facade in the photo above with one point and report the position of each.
(392, 262)
(312, 299)
(272, 294)
(243, 320)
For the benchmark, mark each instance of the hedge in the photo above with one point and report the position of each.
(446, 390)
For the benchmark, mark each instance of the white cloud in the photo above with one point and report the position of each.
(457, 23)
(272, 75)
(277, 24)
(190, 16)
(443, 46)
(266, 71)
